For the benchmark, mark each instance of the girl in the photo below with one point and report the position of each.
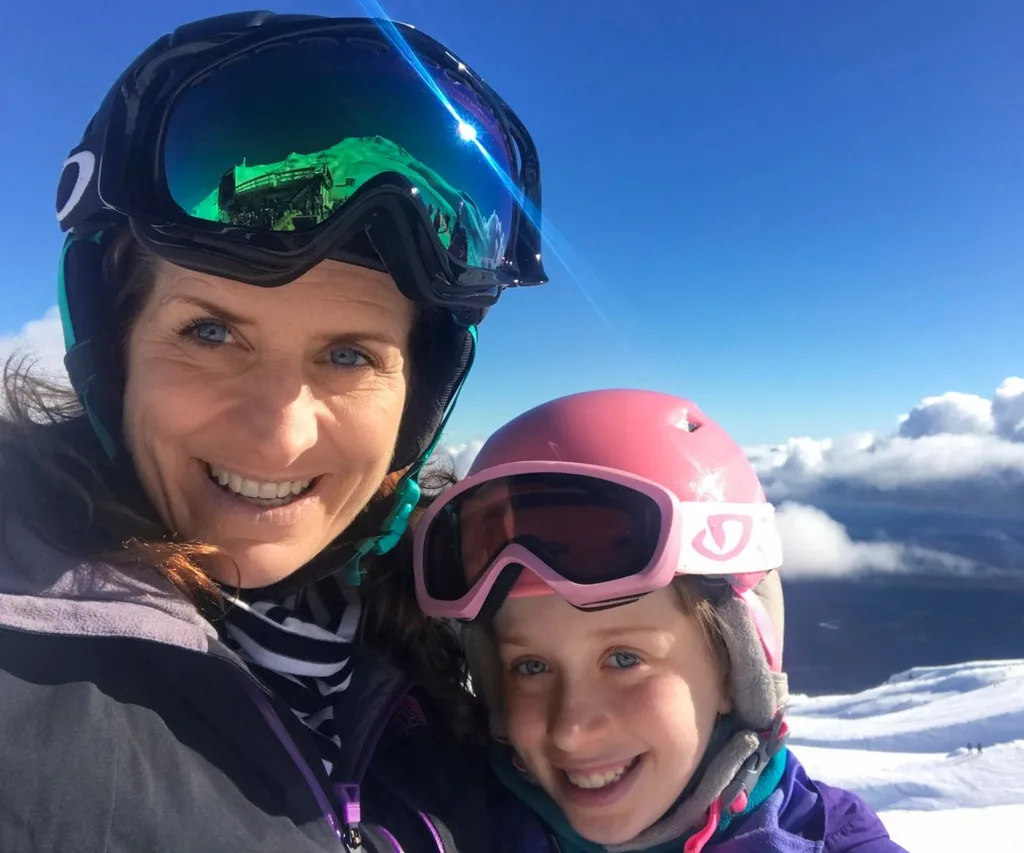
(615, 561)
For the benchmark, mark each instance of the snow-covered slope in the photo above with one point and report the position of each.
(903, 747)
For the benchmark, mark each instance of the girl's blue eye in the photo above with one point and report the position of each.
(530, 667)
(624, 660)
(348, 357)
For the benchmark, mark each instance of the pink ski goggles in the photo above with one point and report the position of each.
(594, 536)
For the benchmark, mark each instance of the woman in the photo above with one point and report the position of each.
(282, 231)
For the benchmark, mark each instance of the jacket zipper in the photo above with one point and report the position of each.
(340, 830)
(370, 746)
(346, 830)
(433, 832)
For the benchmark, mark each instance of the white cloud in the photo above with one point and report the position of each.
(1008, 409)
(953, 451)
(41, 340)
(816, 545)
(461, 455)
(954, 413)
(951, 413)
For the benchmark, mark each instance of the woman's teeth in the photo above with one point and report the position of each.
(599, 780)
(255, 490)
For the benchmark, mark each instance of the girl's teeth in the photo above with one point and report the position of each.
(597, 780)
(256, 490)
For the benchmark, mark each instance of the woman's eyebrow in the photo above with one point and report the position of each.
(209, 307)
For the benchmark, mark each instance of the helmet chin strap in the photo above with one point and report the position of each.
(407, 493)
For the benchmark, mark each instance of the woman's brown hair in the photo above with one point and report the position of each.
(54, 471)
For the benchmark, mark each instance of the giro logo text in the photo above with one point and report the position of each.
(723, 537)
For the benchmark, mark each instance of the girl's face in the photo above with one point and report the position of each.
(610, 710)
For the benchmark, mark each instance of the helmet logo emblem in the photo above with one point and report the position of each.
(723, 537)
(85, 161)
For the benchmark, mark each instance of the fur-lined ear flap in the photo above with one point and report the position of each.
(757, 692)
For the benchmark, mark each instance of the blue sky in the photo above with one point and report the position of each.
(806, 216)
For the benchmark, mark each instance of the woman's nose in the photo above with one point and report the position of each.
(279, 414)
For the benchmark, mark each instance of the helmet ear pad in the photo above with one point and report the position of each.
(442, 351)
(94, 358)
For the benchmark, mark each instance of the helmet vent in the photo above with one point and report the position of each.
(686, 422)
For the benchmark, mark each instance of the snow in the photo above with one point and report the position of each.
(903, 748)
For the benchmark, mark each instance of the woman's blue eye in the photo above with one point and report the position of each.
(624, 660)
(348, 357)
(530, 667)
(209, 332)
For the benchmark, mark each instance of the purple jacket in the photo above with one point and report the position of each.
(802, 816)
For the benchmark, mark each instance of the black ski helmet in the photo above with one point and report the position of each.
(88, 299)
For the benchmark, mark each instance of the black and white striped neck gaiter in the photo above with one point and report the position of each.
(300, 646)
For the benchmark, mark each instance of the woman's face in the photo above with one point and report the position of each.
(262, 420)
